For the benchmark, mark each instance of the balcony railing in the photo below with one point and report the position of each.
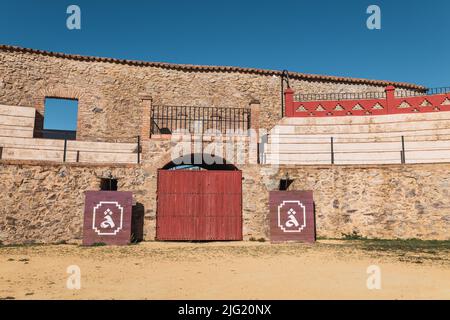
(199, 120)
(430, 91)
(392, 101)
(337, 96)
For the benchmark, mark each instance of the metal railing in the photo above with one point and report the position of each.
(65, 150)
(402, 151)
(169, 119)
(399, 93)
(430, 91)
(339, 96)
(333, 144)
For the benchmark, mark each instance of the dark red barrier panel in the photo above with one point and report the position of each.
(292, 216)
(107, 217)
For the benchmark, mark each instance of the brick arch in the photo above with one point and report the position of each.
(61, 92)
(222, 164)
(164, 158)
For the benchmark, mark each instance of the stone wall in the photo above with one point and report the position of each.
(378, 201)
(43, 203)
(109, 93)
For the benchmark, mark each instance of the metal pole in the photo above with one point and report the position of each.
(65, 150)
(78, 156)
(138, 149)
(332, 150)
(403, 150)
(1, 152)
(282, 96)
(284, 77)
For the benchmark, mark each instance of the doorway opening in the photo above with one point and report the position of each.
(108, 184)
(201, 202)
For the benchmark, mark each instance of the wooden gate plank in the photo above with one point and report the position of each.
(199, 205)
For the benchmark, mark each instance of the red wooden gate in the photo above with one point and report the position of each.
(199, 205)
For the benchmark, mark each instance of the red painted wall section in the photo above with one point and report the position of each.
(361, 107)
(289, 101)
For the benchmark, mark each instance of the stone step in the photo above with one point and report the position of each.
(32, 143)
(16, 121)
(21, 132)
(53, 144)
(102, 146)
(338, 147)
(328, 162)
(302, 157)
(31, 154)
(379, 119)
(102, 157)
(429, 155)
(423, 135)
(401, 128)
(414, 156)
(17, 111)
(339, 158)
(355, 147)
(11, 153)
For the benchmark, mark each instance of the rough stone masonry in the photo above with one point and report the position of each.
(42, 202)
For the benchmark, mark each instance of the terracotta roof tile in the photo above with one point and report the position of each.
(190, 67)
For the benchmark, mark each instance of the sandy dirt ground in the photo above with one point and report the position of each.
(229, 270)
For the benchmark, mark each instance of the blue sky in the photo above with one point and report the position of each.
(323, 37)
(61, 114)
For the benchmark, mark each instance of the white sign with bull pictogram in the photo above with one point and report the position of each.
(107, 218)
(291, 216)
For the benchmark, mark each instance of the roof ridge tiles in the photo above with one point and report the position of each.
(212, 68)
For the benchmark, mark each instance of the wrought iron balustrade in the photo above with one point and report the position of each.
(199, 120)
(339, 96)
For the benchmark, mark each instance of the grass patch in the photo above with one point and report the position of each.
(23, 245)
(353, 236)
(99, 244)
(33, 244)
(425, 246)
